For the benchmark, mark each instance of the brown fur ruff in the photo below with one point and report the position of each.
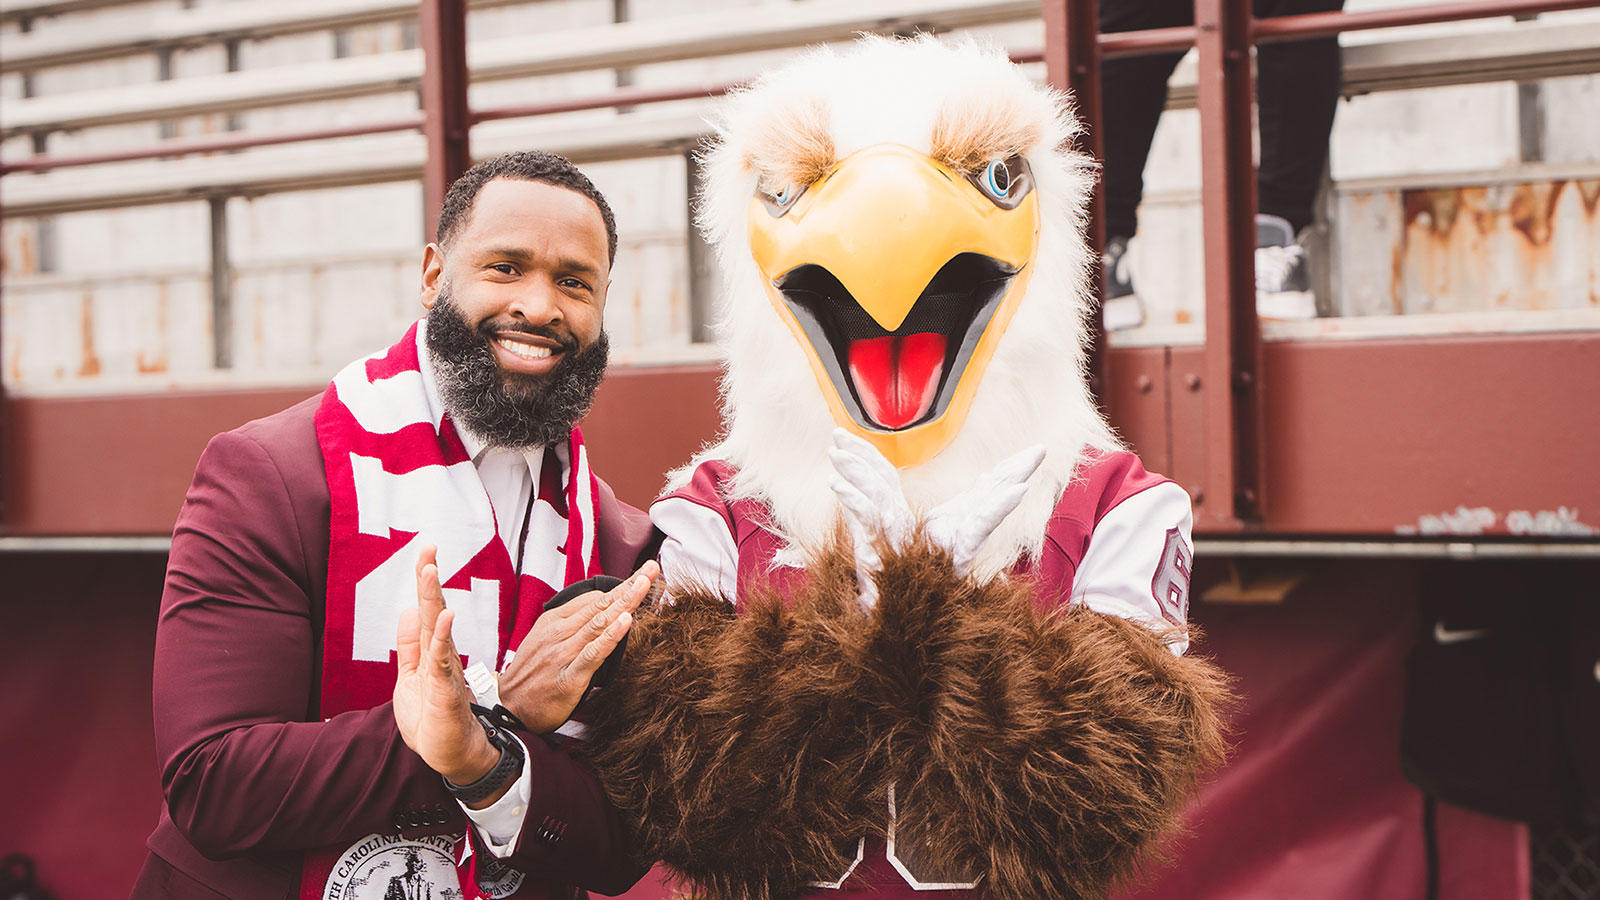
(1047, 749)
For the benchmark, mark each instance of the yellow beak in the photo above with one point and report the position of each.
(884, 222)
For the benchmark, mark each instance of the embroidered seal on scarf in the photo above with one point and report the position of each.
(399, 478)
(389, 867)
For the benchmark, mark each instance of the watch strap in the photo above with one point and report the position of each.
(508, 767)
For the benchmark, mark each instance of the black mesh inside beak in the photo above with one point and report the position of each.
(958, 303)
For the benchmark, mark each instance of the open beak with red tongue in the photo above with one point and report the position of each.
(897, 275)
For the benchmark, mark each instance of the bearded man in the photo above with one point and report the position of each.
(308, 689)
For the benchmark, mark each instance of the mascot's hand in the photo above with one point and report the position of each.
(875, 507)
(962, 523)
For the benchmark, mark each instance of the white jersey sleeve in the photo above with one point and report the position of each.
(1139, 561)
(698, 548)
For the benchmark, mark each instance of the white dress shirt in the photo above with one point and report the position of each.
(509, 476)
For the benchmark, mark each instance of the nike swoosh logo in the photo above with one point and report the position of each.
(1443, 635)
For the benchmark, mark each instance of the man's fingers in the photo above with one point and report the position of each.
(599, 647)
(595, 601)
(408, 648)
(608, 608)
(442, 650)
(627, 596)
(428, 608)
(430, 596)
(650, 571)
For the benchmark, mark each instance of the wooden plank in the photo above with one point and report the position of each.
(206, 24)
(1572, 46)
(253, 88)
(329, 164)
(12, 10)
(369, 161)
(1517, 52)
(579, 49)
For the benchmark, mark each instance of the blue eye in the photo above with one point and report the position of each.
(997, 178)
(1004, 181)
(781, 200)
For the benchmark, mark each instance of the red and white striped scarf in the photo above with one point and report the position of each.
(400, 477)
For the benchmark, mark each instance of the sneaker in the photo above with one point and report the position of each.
(1283, 274)
(1121, 308)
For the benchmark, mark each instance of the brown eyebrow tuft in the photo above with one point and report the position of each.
(792, 146)
(971, 130)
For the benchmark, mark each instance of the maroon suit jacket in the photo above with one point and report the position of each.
(252, 777)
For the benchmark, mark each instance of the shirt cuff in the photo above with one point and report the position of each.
(500, 823)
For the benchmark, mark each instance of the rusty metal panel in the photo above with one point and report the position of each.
(1510, 247)
(1527, 246)
(69, 334)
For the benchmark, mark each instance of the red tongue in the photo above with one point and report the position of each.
(897, 377)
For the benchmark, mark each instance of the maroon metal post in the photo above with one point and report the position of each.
(1072, 62)
(442, 30)
(1232, 382)
(4, 438)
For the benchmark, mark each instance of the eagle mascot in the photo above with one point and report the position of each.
(924, 623)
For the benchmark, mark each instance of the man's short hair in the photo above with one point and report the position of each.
(524, 165)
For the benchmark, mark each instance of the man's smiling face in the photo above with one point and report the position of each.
(515, 306)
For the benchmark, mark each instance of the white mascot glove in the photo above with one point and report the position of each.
(869, 492)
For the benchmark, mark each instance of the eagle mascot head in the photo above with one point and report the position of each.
(900, 224)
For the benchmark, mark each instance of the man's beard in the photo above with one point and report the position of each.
(510, 409)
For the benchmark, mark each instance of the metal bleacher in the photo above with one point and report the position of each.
(1519, 51)
(391, 157)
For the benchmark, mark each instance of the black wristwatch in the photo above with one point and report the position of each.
(509, 766)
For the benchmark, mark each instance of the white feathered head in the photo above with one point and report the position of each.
(900, 223)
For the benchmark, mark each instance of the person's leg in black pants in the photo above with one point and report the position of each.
(1297, 90)
(1133, 92)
